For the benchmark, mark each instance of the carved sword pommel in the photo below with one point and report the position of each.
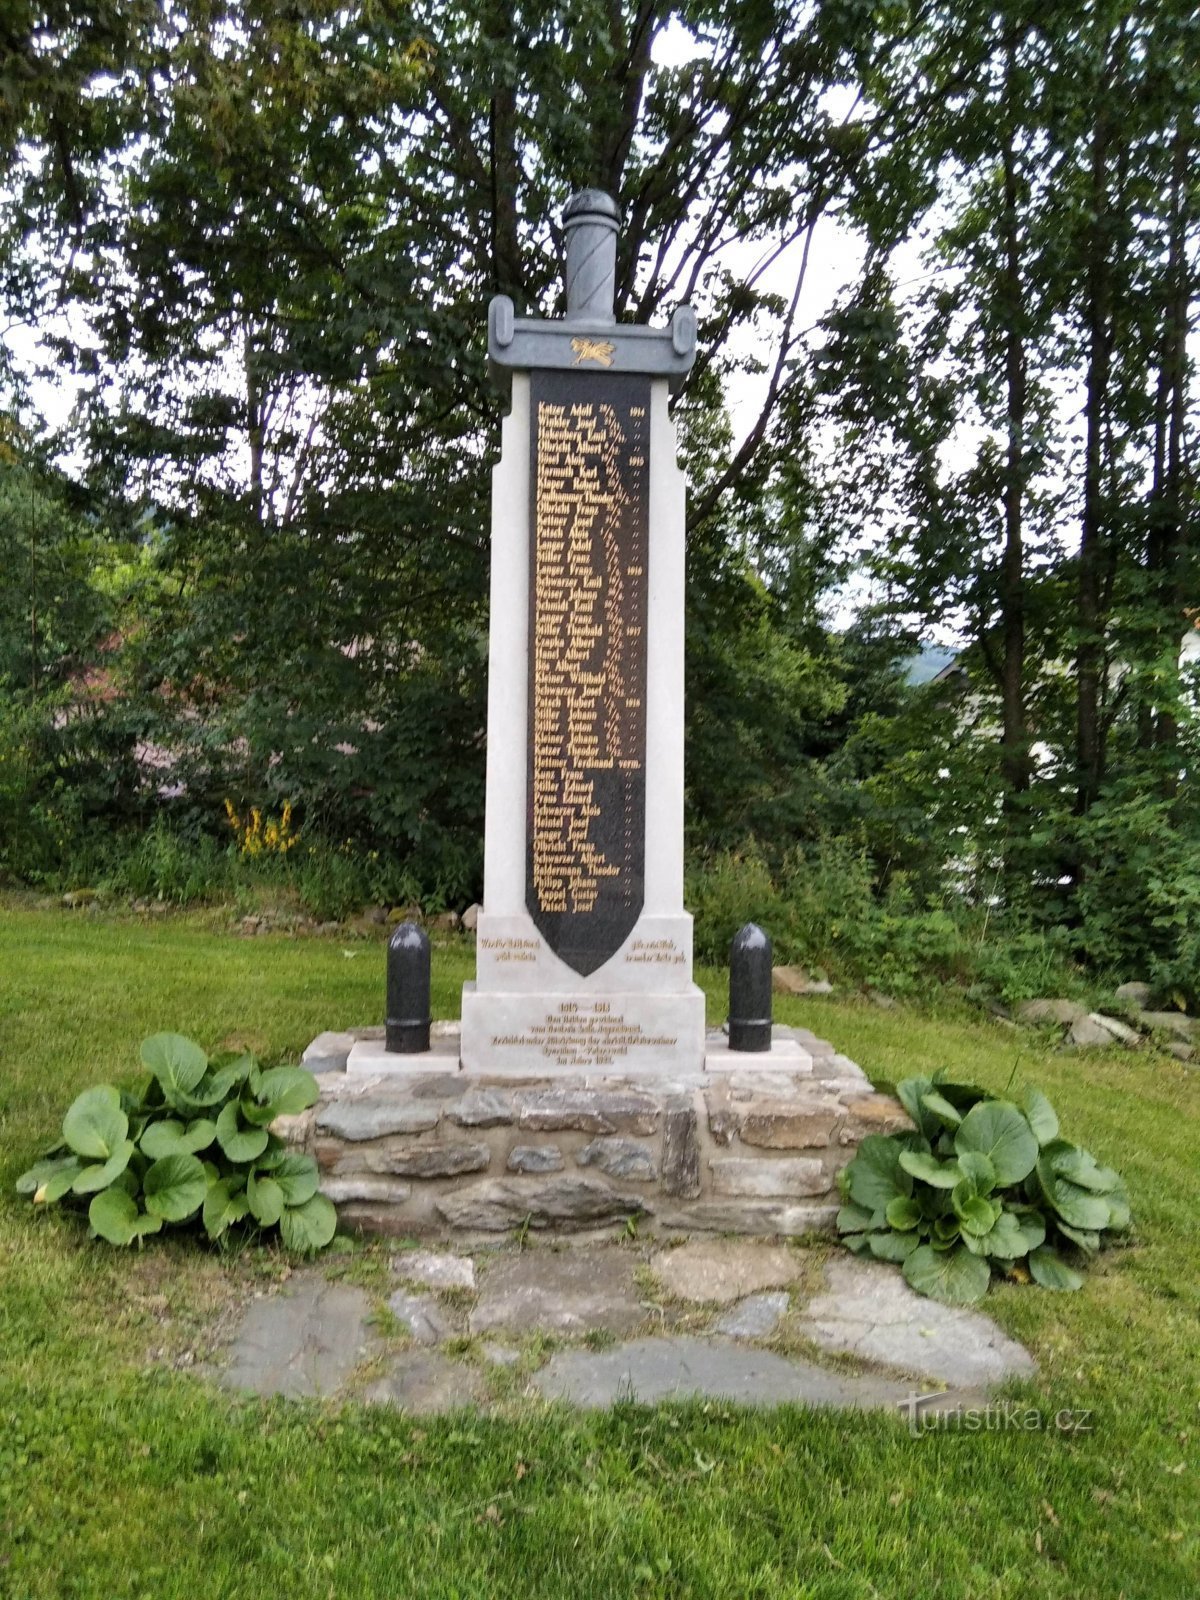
(589, 333)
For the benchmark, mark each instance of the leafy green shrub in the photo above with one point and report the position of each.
(823, 906)
(167, 863)
(191, 1139)
(978, 1184)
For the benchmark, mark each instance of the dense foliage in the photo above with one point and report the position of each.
(247, 564)
(980, 1184)
(191, 1139)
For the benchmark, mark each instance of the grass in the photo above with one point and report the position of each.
(125, 1473)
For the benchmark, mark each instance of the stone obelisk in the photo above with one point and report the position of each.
(584, 950)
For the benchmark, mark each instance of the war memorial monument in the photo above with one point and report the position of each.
(583, 1086)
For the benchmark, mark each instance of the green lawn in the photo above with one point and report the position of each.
(124, 1473)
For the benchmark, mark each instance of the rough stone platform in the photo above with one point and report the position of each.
(432, 1151)
(594, 1324)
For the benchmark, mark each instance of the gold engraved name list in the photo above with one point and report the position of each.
(587, 677)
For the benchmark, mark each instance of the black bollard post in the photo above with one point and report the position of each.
(750, 990)
(407, 991)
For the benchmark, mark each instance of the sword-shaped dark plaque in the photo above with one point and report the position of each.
(589, 557)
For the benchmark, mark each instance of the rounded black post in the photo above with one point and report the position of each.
(408, 991)
(750, 989)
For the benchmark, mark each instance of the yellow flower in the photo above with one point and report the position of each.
(263, 835)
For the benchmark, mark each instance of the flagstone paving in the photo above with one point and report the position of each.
(597, 1324)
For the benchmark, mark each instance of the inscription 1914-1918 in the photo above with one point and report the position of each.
(590, 454)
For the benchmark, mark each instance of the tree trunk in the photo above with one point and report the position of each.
(1014, 754)
(504, 168)
(1089, 650)
(1172, 525)
(254, 425)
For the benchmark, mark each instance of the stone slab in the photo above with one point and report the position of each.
(371, 1188)
(868, 1310)
(793, 1050)
(535, 1158)
(328, 1052)
(512, 957)
(790, 1177)
(483, 1108)
(786, 1054)
(448, 1158)
(1063, 1012)
(597, 1110)
(564, 1291)
(756, 1217)
(375, 1116)
(786, 1125)
(656, 1369)
(620, 1158)
(567, 1201)
(1176, 1022)
(720, 1271)
(425, 1382)
(422, 1316)
(304, 1343)
(437, 1269)
(755, 1317)
(681, 1150)
(370, 1058)
(602, 1029)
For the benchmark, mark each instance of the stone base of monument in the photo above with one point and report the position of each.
(428, 1150)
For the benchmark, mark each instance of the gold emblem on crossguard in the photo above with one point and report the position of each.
(593, 350)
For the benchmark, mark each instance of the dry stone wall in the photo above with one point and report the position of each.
(451, 1154)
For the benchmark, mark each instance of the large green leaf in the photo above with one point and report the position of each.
(95, 1126)
(962, 1096)
(171, 1137)
(892, 1246)
(1051, 1271)
(53, 1185)
(938, 1106)
(875, 1173)
(177, 1063)
(265, 1199)
(978, 1170)
(1033, 1227)
(97, 1177)
(1041, 1116)
(955, 1276)
(903, 1213)
(1008, 1239)
(223, 1206)
(298, 1177)
(911, 1094)
(1089, 1243)
(43, 1171)
(946, 1231)
(310, 1226)
(976, 1214)
(1081, 1167)
(938, 1174)
(286, 1091)
(217, 1084)
(1079, 1207)
(114, 1216)
(239, 1144)
(998, 1130)
(850, 1219)
(175, 1188)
